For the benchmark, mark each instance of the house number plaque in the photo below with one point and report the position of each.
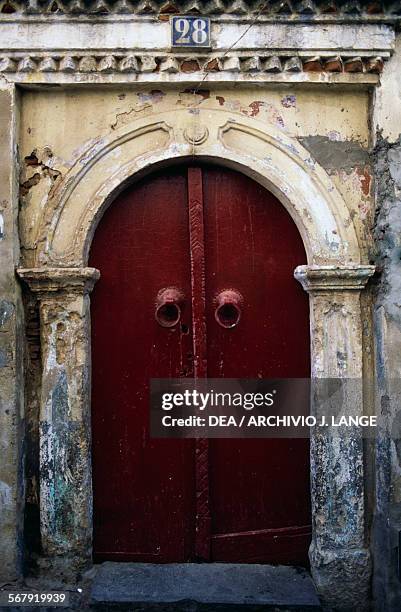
(190, 31)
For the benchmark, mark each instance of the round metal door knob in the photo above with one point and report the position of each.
(228, 308)
(168, 306)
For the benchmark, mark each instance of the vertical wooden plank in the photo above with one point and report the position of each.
(131, 470)
(197, 255)
(261, 512)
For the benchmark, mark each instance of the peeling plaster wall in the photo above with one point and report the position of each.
(11, 350)
(56, 126)
(387, 313)
(387, 107)
(353, 133)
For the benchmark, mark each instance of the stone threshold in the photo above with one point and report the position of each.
(193, 587)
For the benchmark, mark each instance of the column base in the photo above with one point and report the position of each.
(342, 577)
(63, 569)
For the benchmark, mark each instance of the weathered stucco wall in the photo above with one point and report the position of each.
(387, 334)
(77, 146)
(11, 349)
(309, 81)
(332, 124)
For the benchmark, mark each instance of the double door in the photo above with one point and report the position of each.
(196, 280)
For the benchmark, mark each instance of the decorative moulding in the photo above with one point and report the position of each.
(50, 281)
(334, 278)
(350, 10)
(186, 65)
(275, 160)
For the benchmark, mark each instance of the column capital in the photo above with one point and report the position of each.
(351, 277)
(46, 282)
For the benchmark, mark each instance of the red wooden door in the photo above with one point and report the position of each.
(201, 231)
(143, 489)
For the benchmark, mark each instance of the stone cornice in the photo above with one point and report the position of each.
(185, 65)
(277, 10)
(333, 278)
(47, 282)
(129, 48)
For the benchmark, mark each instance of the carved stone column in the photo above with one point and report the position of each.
(65, 433)
(339, 552)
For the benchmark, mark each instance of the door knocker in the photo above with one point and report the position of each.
(169, 303)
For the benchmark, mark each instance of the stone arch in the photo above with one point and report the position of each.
(257, 149)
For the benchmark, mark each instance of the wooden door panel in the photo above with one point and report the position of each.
(154, 500)
(253, 246)
(143, 488)
(283, 546)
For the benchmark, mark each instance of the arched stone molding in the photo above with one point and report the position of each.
(257, 149)
(334, 277)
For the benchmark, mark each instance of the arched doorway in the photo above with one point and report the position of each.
(145, 505)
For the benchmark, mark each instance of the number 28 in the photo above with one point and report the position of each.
(191, 32)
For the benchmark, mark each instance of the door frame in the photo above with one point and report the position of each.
(336, 273)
